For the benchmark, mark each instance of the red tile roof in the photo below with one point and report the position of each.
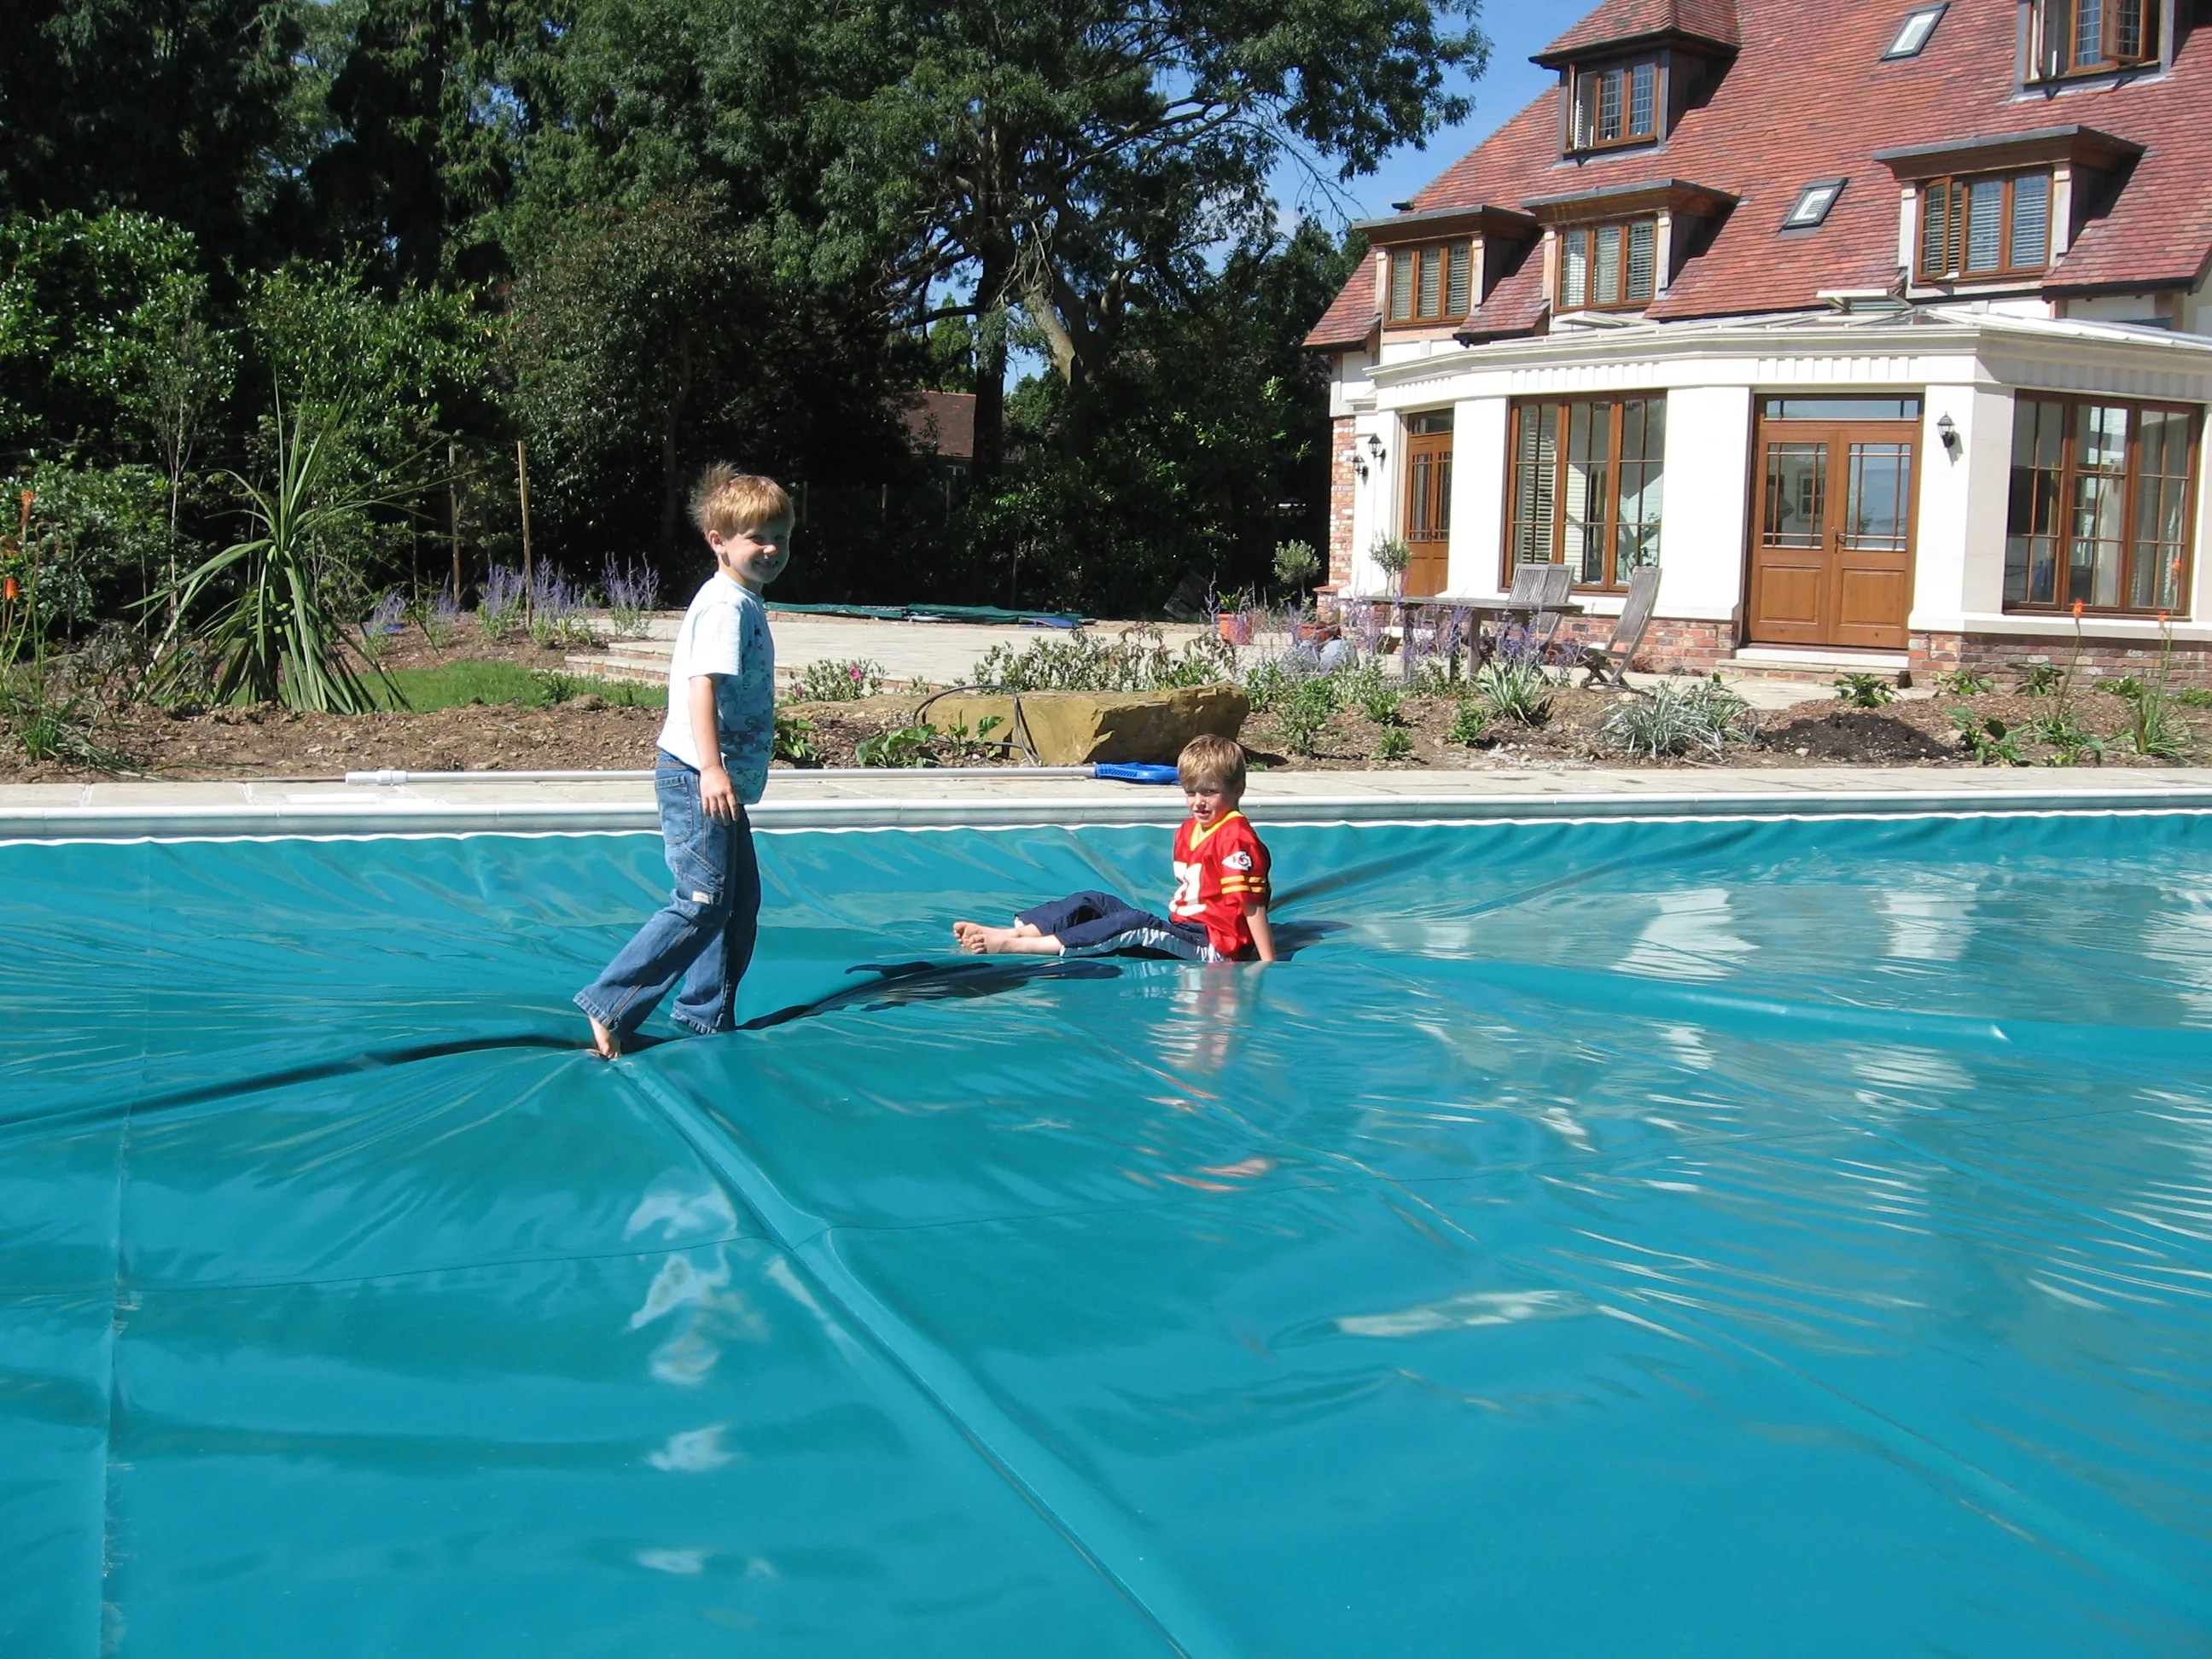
(1639, 20)
(1809, 97)
(942, 423)
(1353, 315)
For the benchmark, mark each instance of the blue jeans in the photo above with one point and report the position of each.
(1095, 924)
(707, 926)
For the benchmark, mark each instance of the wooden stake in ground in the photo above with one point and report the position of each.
(522, 488)
(454, 512)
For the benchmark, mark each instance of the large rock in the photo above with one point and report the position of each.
(1074, 728)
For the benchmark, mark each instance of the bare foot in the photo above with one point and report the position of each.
(978, 941)
(606, 1043)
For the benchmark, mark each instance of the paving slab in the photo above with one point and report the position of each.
(133, 810)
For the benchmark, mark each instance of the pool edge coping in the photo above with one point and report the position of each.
(370, 817)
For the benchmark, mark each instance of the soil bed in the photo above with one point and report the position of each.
(589, 731)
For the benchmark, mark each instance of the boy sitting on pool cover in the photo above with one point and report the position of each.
(1219, 910)
(712, 764)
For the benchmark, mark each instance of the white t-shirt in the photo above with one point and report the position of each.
(725, 634)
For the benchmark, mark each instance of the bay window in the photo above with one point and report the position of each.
(1585, 485)
(2101, 502)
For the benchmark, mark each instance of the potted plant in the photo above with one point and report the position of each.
(1234, 621)
(1296, 564)
(1391, 555)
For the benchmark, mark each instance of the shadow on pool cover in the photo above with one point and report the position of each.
(1611, 1239)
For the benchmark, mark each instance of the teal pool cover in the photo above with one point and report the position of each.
(1665, 1238)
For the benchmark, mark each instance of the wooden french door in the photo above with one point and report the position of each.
(1428, 501)
(1831, 540)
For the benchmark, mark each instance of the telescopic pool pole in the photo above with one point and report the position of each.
(522, 488)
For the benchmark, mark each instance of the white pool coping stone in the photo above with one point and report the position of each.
(136, 810)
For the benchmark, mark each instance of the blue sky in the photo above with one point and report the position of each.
(1511, 82)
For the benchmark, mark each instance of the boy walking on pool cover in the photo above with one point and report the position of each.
(712, 764)
(1219, 910)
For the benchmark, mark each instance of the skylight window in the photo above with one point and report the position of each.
(1813, 205)
(1913, 32)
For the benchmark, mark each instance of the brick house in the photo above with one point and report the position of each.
(1884, 330)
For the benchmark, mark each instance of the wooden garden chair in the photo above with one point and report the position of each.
(1604, 664)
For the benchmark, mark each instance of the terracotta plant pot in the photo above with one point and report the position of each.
(1234, 627)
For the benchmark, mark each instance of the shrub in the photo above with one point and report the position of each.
(1964, 683)
(2069, 736)
(557, 612)
(381, 626)
(1305, 715)
(1366, 689)
(1864, 692)
(2042, 679)
(906, 746)
(837, 682)
(1515, 690)
(1296, 564)
(440, 620)
(794, 740)
(632, 591)
(1988, 740)
(1397, 744)
(1139, 660)
(1679, 717)
(1470, 725)
(2153, 729)
(498, 602)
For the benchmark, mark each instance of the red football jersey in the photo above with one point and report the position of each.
(1219, 869)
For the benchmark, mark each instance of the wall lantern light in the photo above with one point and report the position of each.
(1948, 430)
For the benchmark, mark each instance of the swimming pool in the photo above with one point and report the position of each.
(1675, 1236)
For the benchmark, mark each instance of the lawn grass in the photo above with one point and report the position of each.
(456, 684)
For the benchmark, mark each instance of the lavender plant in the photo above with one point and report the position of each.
(632, 591)
(498, 602)
(555, 616)
(441, 621)
(382, 626)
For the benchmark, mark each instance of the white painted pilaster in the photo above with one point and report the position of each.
(1478, 532)
(1701, 523)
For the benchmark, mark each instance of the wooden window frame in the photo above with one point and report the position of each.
(1585, 91)
(2131, 475)
(1952, 190)
(1594, 230)
(1609, 525)
(2046, 64)
(1454, 267)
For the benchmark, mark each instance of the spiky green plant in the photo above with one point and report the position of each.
(275, 638)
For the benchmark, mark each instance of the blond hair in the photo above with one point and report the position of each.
(726, 500)
(1211, 762)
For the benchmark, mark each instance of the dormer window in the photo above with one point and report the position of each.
(1986, 229)
(2092, 37)
(1616, 105)
(1913, 34)
(1608, 267)
(1429, 284)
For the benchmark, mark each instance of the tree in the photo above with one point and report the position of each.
(1078, 158)
(648, 342)
(424, 148)
(1202, 445)
(172, 107)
